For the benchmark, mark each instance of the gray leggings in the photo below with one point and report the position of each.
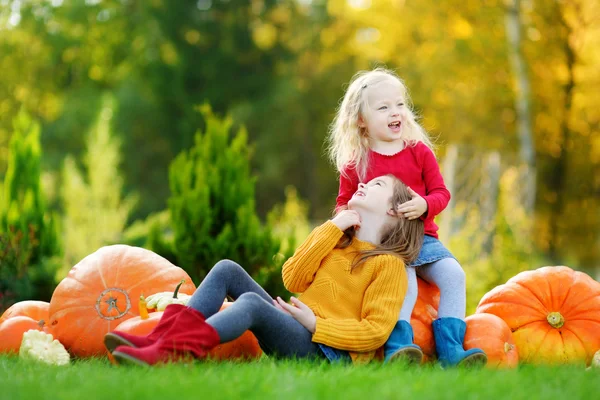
(278, 333)
(449, 277)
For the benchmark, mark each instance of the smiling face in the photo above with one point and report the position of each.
(374, 196)
(384, 113)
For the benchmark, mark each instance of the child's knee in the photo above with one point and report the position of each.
(457, 269)
(226, 266)
(454, 273)
(446, 274)
(251, 299)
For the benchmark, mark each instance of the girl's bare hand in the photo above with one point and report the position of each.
(301, 313)
(414, 208)
(347, 218)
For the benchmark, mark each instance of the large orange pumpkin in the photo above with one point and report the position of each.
(244, 347)
(103, 290)
(34, 309)
(553, 312)
(138, 326)
(491, 334)
(12, 330)
(424, 313)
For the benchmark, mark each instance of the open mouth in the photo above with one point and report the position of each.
(359, 194)
(395, 125)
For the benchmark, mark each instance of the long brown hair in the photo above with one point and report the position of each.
(403, 238)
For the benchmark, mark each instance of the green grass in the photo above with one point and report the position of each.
(267, 379)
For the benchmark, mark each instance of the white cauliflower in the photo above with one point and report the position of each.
(596, 360)
(41, 346)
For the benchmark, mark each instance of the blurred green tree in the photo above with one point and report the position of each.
(212, 203)
(95, 211)
(279, 68)
(30, 242)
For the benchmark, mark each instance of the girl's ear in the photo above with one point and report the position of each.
(392, 212)
(361, 122)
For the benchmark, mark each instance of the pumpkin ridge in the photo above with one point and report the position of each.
(581, 277)
(543, 306)
(98, 267)
(586, 345)
(64, 311)
(116, 277)
(590, 347)
(120, 262)
(550, 284)
(527, 323)
(541, 343)
(79, 281)
(69, 335)
(484, 309)
(574, 315)
(581, 304)
(159, 273)
(150, 277)
(577, 336)
(81, 336)
(562, 340)
(583, 319)
(566, 296)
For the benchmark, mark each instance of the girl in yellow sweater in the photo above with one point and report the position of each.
(350, 275)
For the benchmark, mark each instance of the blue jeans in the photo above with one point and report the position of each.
(334, 355)
(432, 250)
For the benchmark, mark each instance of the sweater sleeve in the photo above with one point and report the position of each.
(300, 269)
(381, 305)
(348, 186)
(437, 195)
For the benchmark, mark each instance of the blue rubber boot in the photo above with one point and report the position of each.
(400, 346)
(449, 334)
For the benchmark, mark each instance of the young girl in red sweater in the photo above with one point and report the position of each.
(350, 275)
(375, 132)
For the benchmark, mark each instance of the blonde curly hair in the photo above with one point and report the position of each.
(348, 143)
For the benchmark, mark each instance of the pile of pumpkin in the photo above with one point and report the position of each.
(546, 316)
(104, 292)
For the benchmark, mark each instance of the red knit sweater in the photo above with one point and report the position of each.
(417, 167)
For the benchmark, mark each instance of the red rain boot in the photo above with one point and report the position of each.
(189, 337)
(115, 338)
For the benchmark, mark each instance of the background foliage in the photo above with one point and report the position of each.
(278, 69)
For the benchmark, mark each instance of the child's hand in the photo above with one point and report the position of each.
(300, 312)
(277, 306)
(346, 218)
(414, 208)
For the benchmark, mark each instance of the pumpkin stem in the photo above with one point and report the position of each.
(41, 323)
(177, 288)
(555, 319)
(508, 347)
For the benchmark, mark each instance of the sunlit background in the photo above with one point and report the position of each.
(114, 90)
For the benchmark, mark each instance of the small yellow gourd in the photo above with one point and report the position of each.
(160, 301)
(142, 308)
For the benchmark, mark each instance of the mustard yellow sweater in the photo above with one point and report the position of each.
(356, 310)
